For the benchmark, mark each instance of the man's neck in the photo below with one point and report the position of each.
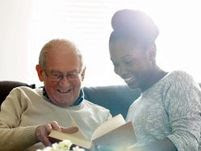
(77, 101)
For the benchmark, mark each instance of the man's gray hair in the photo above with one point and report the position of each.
(57, 43)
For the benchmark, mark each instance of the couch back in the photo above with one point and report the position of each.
(115, 98)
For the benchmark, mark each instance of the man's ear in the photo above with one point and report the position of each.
(39, 70)
(83, 73)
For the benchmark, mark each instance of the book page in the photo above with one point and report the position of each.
(81, 130)
(113, 131)
(76, 138)
(121, 137)
(108, 126)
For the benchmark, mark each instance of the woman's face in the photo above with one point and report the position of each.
(131, 63)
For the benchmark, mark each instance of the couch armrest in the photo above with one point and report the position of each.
(7, 86)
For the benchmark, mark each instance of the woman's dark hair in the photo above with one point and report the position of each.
(135, 26)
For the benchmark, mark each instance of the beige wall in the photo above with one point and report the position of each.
(14, 29)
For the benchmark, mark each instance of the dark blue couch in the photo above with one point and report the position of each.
(116, 98)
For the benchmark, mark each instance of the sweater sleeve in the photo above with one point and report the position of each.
(183, 106)
(13, 136)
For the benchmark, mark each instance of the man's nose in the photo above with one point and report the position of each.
(64, 80)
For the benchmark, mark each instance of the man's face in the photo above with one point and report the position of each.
(62, 76)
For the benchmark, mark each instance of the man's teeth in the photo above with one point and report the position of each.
(66, 91)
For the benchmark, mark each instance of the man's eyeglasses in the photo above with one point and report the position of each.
(58, 76)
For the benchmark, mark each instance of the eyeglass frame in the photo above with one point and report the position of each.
(57, 76)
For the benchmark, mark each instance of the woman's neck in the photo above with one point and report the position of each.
(153, 77)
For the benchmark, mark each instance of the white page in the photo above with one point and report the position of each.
(109, 125)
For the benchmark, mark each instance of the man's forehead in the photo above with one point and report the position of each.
(63, 48)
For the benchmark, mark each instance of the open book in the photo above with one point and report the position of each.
(115, 131)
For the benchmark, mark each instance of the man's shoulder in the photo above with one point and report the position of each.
(97, 110)
(25, 90)
(94, 106)
(22, 89)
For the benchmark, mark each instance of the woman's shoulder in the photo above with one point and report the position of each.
(179, 73)
(179, 79)
(95, 107)
(179, 76)
(176, 79)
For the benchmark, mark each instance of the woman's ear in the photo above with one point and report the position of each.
(151, 52)
(39, 70)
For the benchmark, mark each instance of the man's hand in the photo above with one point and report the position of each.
(43, 131)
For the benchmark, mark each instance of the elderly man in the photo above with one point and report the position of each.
(28, 115)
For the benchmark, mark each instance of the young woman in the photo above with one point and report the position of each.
(167, 115)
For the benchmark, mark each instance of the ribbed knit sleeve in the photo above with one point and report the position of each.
(182, 103)
(13, 137)
(17, 139)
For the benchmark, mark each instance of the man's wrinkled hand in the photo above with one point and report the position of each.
(44, 130)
